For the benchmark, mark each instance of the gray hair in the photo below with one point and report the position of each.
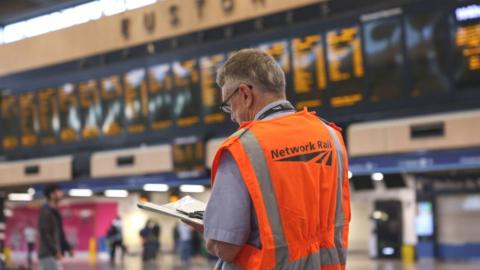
(255, 67)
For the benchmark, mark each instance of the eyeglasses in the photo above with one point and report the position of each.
(225, 106)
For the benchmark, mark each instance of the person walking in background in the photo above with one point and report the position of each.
(115, 239)
(150, 240)
(30, 234)
(157, 231)
(185, 233)
(53, 242)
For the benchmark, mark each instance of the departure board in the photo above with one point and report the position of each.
(188, 157)
(90, 109)
(187, 92)
(10, 123)
(68, 113)
(136, 101)
(427, 50)
(345, 66)
(160, 82)
(112, 106)
(49, 123)
(211, 92)
(279, 51)
(309, 77)
(384, 58)
(467, 47)
(28, 120)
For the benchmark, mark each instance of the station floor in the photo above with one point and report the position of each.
(170, 262)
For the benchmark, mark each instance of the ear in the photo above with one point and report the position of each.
(247, 95)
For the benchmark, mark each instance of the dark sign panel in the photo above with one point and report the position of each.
(345, 66)
(279, 51)
(211, 93)
(10, 124)
(112, 106)
(68, 108)
(90, 108)
(28, 120)
(48, 116)
(384, 58)
(160, 82)
(188, 157)
(309, 77)
(187, 88)
(427, 50)
(136, 101)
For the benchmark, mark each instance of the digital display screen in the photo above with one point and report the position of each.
(188, 157)
(112, 107)
(10, 123)
(427, 51)
(211, 92)
(68, 113)
(136, 101)
(90, 109)
(467, 53)
(48, 116)
(187, 92)
(160, 81)
(309, 76)
(424, 219)
(345, 66)
(28, 120)
(279, 51)
(384, 58)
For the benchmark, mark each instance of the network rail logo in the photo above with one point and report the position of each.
(319, 152)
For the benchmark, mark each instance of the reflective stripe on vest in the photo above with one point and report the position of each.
(339, 215)
(325, 256)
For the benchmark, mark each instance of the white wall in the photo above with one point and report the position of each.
(359, 227)
(458, 219)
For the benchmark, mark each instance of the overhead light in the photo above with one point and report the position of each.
(116, 193)
(388, 251)
(31, 191)
(156, 187)
(350, 175)
(7, 212)
(378, 176)
(467, 13)
(20, 197)
(80, 192)
(192, 188)
(377, 215)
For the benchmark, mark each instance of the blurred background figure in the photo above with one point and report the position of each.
(53, 243)
(115, 239)
(150, 241)
(185, 234)
(30, 234)
(157, 232)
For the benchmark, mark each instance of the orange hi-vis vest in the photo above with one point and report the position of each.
(296, 172)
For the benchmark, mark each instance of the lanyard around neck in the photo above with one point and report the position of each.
(279, 108)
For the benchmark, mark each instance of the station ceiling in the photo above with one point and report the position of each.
(16, 10)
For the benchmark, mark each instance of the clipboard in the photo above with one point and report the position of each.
(187, 208)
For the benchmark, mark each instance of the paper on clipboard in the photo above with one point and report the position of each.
(186, 204)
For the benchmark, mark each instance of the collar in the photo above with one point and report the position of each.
(270, 106)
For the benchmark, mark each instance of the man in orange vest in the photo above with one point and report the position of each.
(280, 197)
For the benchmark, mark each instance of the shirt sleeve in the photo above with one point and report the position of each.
(228, 214)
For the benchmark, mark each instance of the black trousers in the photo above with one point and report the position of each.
(113, 248)
(30, 247)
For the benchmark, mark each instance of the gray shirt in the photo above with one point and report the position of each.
(229, 216)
